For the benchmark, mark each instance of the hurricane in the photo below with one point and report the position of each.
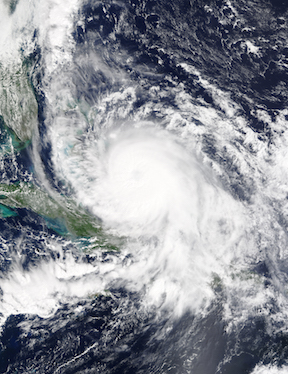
(143, 192)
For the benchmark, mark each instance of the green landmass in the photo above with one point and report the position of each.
(63, 215)
(9, 140)
(18, 119)
(18, 105)
(216, 284)
(246, 275)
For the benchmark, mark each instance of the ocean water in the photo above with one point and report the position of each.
(144, 187)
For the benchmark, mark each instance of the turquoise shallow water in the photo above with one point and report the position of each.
(143, 187)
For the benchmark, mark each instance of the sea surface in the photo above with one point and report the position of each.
(144, 186)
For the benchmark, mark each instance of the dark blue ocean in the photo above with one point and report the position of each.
(144, 187)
